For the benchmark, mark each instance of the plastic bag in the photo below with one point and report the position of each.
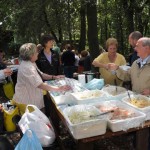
(9, 89)
(39, 123)
(95, 84)
(29, 141)
(8, 115)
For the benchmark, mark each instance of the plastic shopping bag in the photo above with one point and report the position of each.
(9, 89)
(95, 84)
(39, 123)
(29, 141)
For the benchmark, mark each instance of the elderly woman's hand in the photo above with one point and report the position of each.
(8, 72)
(64, 88)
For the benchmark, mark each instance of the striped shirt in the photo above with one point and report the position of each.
(26, 89)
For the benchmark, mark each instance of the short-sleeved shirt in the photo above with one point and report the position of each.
(26, 89)
(106, 74)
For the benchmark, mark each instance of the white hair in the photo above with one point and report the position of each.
(27, 50)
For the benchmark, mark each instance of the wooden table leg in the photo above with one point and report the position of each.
(85, 146)
(142, 139)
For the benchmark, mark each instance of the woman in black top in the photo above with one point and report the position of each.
(48, 60)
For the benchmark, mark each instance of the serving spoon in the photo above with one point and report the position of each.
(103, 113)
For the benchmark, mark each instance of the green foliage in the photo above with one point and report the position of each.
(28, 19)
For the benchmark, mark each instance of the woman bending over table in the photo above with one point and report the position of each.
(29, 87)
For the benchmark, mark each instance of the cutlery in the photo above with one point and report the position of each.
(115, 85)
(129, 95)
(103, 113)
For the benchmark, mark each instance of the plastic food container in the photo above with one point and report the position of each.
(143, 106)
(127, 118)
(86, 97)
(115, 92)
(87, 128)
(63, 97)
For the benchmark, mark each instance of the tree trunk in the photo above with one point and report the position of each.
(69, 23)
(129, 11)
(118, 27)
(82, 41)
(92, 28)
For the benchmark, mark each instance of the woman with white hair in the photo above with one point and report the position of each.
(30, 85)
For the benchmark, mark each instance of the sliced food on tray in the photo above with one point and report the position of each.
(82, 114)
(139, 101)
(117, 112)
(89, 94)
(123, 116)
(86, 97)
(80, 122)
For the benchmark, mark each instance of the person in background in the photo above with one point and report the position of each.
(85, 61)
(76, 60)
(101, 49)
(109, 57)
(30, 85)
(4, 73)
(2, 60)
(56, 48)
(139, 73)
(133, 38)
(48, 60)
(68, 61)
(39, 48)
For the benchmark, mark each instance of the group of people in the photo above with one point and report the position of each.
(53, 62)
(73, 62)
(109, 64)
(39, 65)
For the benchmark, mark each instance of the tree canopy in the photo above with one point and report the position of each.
(85, 22)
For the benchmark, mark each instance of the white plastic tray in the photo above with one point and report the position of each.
(113, 95)
(86, 97)
(123, 124)
(145, 110)
(85, 129)
(63, 99)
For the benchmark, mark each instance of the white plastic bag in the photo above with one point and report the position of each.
(29, 141)
(39, 123)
